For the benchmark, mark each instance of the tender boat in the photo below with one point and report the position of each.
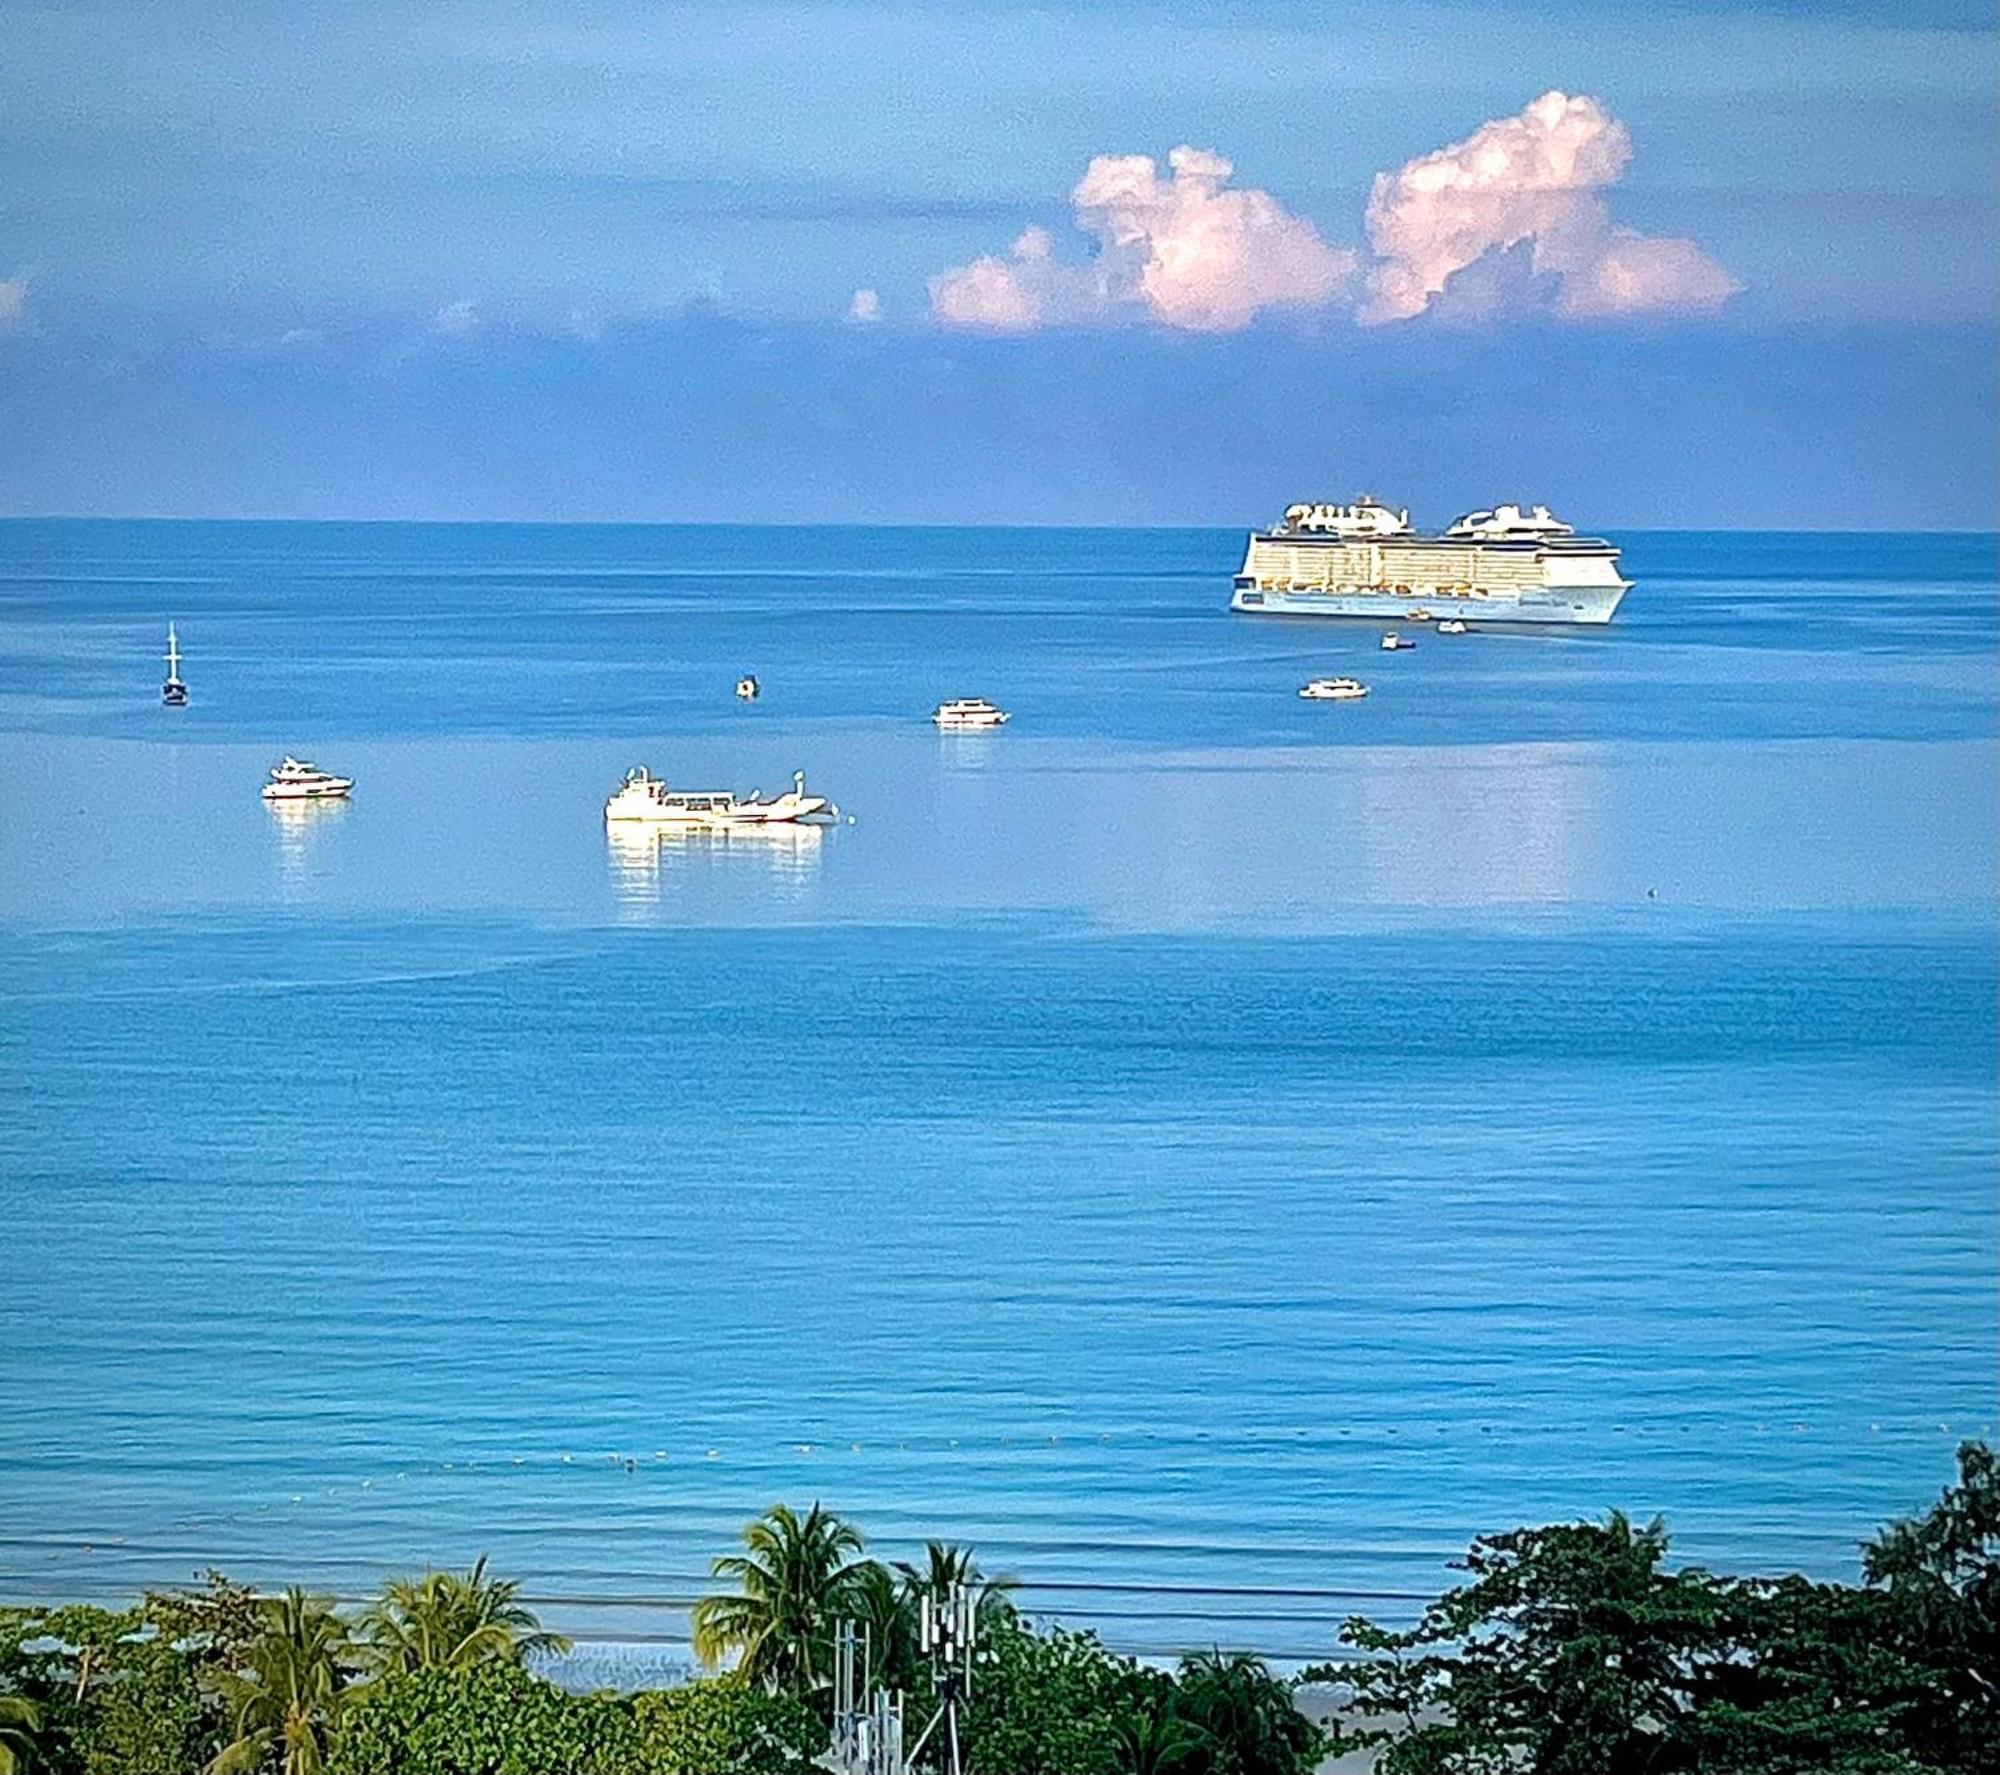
(173, 693)
(1390, 643)
(969, 714)
(1451, 626)
(1335, 690)
(296, 780)
(646, 798)
(747, 689)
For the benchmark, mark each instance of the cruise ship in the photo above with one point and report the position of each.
(1509, 564)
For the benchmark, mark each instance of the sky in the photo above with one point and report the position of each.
(1123, 262)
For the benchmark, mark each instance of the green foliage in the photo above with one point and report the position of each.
(490, 1718)
(723, 1726)
(287, 1689)
(453, 1620)
(112, 1696)
(20, 1731)
(1242, 1720)
(1051, 1703)
(793, 1584)
(1573, 1650)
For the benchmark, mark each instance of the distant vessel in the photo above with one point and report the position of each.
(747, 689)
(1335, 690)
(173, 693)
(646, 798)
(1390, 643)
(1364, 559)
(296, 780)
(969, 713)
(1451, 626)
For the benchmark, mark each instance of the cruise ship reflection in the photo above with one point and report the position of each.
(297, 826)
(651, 865)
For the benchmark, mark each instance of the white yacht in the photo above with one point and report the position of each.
(1452, 626)
(173, 693)
(296, 780)
(747, 689)
(967, 714)
(646, 798)
(1335, 690)
(1391, 643)
(1509, 564)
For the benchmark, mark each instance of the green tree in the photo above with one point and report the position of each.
(1050, 1703)
(1149, 1736)
(285, 1696)
(1242, 1719)
(722, 1726)
(453, 1620)
(794, 1580)
(20, 1728)
(487, 1718)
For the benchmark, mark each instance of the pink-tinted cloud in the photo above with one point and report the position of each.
(1186, 250)
(1529, 180)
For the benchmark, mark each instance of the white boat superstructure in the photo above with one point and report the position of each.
(647, 799)
(1451, 626)
(1511, 563)
(296, 780)
(173, 693)
(968, 714)
(1396, 643)
(1334, 690)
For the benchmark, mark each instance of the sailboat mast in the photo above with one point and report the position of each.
(173, 653)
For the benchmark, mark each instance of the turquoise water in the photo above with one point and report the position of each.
(1214, 1152)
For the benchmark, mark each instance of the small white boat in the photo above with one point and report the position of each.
(969, 714)
(1419, 616)
(1391, 643)
(173, 693)
(747, 689)
(1451, 626)
(646, 798)
(1335, 690)
(296, 780)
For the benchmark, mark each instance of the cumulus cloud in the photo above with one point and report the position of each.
(13, 301)
(866, 308)
(1529, 181)
(1186, 250)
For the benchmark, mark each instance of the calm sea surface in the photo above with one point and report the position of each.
(1214, 1152)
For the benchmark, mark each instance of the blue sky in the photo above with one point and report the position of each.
(504, 260)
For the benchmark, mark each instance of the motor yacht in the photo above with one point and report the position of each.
(173, 693)
(646, 798)
(296, 780)
(969, 714)
(1335, 690)
(1391, 643)
(1452, 626)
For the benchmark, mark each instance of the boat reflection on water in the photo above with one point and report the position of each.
(652, 866)
(297, 826)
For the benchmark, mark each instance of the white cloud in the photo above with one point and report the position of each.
(1529, 180)
(13, 301)
(456, 317)
(866, 308)
(1184, 250)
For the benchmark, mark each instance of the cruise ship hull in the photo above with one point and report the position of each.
(1551, 604)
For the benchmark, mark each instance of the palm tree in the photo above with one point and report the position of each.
(283, 1701)
(946, 1567)
(452, 1621)
(794, 1581)
(1243, 1718)
(20, 1726)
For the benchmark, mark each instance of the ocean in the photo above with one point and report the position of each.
(1214, 1153)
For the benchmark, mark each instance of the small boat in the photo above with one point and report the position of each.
(1451, 626)
(647, 798)
(1390, 643)
(1335, 690)
(747, 689)
(1420, 616)
(173, 693)
(967, 714)
(296, 780)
